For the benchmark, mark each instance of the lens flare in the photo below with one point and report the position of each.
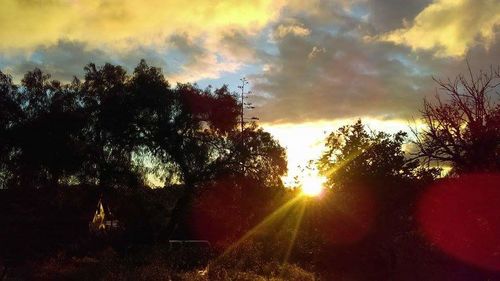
(461, 217)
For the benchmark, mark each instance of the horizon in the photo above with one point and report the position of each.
(311, 66)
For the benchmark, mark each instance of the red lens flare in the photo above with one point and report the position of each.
(462, 217)
(352, 217)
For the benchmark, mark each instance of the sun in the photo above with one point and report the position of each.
(312, 185)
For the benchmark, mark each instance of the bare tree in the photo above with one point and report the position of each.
(462, 125)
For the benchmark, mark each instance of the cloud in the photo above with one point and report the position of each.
(386, 15)
(316, 51)
(307, 60)
(236, 44)
(35, 33)
(450, 27)
(185, 60)
(345, 79)
(28, 24)
(333, 73)
(199, 59)
(63, 61)
(66, 59)
(284, 30)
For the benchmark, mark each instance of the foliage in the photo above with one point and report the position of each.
(354, 155)
(114, 129)
(370, 204)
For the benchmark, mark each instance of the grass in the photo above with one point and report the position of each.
(246, 264)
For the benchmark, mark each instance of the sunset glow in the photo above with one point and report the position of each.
(304, 142)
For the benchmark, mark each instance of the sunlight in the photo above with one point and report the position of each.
(312, 185)
(293, 209)
(280, 212)
(305, 141)
(295, 230)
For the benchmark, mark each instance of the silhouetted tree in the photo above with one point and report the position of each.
(257, 155)
(112, 129)
(462, 126)
(44, 137)
(354, 155)
(205, 144)
(109, 132)
(374, 186)
(10, 114)
(191, 133)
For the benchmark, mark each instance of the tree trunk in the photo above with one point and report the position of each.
(178, 216)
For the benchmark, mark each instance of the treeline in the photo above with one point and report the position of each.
(109, 135)
(114, 129)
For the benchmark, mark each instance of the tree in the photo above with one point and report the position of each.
(354, 155)
(109, 129)
(110, 132)
(375, 187)
(257, 155)
(462, 125)
(191, 133)
(205, 145)
(44, 137)
(10, 114)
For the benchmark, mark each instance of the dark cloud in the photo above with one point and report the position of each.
(238, 44)
(345, 78)
(183, 44)
(387, 15)
(63, 61)
(333, 73)
(67, 59)
(198, 59)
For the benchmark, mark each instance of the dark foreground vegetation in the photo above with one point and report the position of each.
(386, 214)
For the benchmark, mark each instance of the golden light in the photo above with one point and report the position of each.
(305, 141)
(312, 185)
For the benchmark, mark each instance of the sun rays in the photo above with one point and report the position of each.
(280, 213)
(290, 213)
(312, 185)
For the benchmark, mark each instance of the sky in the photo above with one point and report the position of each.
(312, 65)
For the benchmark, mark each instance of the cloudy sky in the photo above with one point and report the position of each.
(311, 64)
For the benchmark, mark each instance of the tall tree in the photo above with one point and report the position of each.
(194, 140)
(44, 137)
(462, 125)
(375, 185)
(256, 155)
(109, 130)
